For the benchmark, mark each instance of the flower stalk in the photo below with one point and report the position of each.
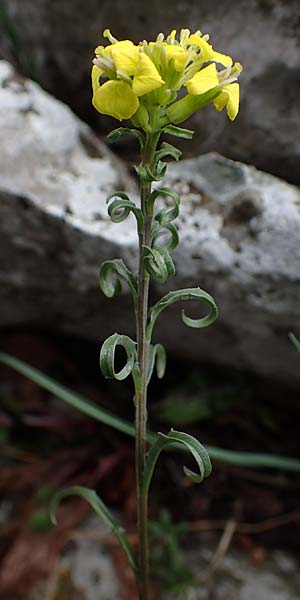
(142, 353)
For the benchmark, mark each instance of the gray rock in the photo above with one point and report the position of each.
(54, 42)
(240, 232)
(238, 578)
(54, 179)
(86, 571)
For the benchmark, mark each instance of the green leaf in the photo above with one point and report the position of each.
(190, 443)
(107, 356)
(69, 396)
(160, 240)
(179, 295)
(178, 132)
(158, 263)
(295, 341)
(110, 275)
(85, 406)
(101, 509)
(165, 215)
(167, 150)
(148, 174)
(114, 135)
(156, 354)
(121, 207)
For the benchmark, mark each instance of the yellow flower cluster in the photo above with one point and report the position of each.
(141, 82)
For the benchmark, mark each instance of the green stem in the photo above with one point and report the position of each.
(141, 391)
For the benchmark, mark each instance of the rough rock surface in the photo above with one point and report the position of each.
(55, 42)
(240, 232)
(237, 578)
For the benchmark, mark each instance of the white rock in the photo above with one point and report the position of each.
(240, 233)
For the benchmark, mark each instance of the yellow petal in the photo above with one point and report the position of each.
(178, 54)
(146, 77)
(229, 97)
(125, 56)
(203, 81)
(117, 99)
(207, 51)
(96, 72)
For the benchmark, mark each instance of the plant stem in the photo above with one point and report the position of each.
(141, 393)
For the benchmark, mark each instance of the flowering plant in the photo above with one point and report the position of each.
(144, 83)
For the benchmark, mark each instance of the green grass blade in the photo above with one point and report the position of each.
(72, 398)
(102, 511)
(244, 459)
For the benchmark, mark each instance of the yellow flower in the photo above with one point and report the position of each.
(131, 74)
(142, 81)
(229, 97)
(207, 51)
(125, 56)
(207, 79)
(179, 55)
(146, 77)
(204, 80)
(117, 99)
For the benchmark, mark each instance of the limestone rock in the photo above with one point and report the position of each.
(240, 231)
(55, 42)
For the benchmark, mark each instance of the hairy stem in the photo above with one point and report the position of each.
(141, 392)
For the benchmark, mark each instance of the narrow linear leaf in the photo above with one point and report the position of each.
(167, 150)
(101, 509)
(191, 444)
(294, 340)
(107, 356)
(71, 398)
(159, 264)
(179, 295)
(158, 235)
(178, 132)
(121, 207)
(154, 173)
(114, 135)
(156, 355)
(165, 215)
(110, 276)
(87, 407)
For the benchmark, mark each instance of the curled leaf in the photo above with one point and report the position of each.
(114, 135)
(101, 509)
(158, 236)
(190, 443)
(158, 263)
(107, 356)
(167, 150)
(120, 208)
(166, 214)
(110, 276)
(148, 174)
(156, 354)
(178, 295)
